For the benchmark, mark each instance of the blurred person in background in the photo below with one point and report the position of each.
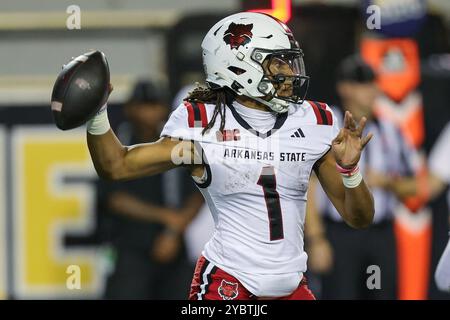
(439, 164)
(142, 219)
(436, 182)
(341, 255)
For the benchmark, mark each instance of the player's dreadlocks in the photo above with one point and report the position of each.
(220, 96)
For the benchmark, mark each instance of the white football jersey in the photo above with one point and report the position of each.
(256, 189)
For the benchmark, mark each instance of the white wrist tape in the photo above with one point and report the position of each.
(99, 124)
(201, 179)
(352, 181)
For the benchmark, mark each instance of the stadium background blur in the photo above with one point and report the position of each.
(47, 181)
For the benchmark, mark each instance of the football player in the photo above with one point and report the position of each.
(250, 141)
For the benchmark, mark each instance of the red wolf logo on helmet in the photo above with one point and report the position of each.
(228, 290)
(238, 35)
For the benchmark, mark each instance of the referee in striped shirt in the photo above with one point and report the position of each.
(343, 254)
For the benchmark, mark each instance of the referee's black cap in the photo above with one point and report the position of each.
(355, 69)
(146, 92)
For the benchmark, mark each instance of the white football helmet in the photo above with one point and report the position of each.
(235, 48)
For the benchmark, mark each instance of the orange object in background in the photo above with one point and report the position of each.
(413, 128)
(396, 62)
(413, 234)
(407, 115)
(280, 9)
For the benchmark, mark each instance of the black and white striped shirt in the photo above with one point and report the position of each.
(386, 153)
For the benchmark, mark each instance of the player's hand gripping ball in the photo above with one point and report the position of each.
(80, 90)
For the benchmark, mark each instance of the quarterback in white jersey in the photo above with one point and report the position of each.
(250, 141)
(255, 187)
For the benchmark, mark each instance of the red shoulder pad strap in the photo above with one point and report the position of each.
(323, 115)
(197, 116)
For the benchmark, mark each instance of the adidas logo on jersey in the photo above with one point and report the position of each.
(297, 134)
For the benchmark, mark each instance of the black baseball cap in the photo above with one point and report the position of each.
(355, 69)
(146, 92)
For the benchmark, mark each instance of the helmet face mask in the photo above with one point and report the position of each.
(285, 71)
(255, 55)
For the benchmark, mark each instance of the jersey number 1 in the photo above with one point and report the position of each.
(268, 182)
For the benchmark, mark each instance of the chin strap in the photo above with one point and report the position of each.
(276, 105)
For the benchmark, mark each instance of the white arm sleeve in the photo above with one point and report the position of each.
(442, 274)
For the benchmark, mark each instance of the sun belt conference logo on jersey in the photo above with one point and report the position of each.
(228, 290)
(238, 35)
(228, 135)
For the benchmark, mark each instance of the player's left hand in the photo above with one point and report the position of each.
(348, 144)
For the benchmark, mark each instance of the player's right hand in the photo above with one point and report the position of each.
(103, 108)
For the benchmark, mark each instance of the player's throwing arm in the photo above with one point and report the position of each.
(79, 96)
